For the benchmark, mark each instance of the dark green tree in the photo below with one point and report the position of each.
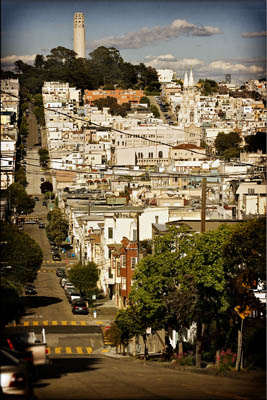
(20, 252)
(18, 199)
(85, 278)
(228, 144)
(46, 186)
(256, 142)
(58, 227)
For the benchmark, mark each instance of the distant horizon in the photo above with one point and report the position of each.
(215, 38)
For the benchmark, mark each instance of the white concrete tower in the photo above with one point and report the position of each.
(79, 35)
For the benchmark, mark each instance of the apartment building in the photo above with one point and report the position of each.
(122, 96)
(7, 161)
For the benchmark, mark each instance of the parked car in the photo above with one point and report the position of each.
(60, 272)
(44, 203)
(36, 198)
(79, 307)
(30, 289)
(56, 257)
(41, 225)
(68, 285)
(15, 377)
(74, 296)
(62, 281)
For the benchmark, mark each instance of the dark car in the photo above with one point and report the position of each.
(60, 272)
(36, 198)
(44, 203)
(56, 257)
(30, 289)
(41, 225)
(79, 307)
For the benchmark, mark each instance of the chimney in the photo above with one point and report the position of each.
(157, 219)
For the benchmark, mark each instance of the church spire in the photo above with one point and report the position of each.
(191, 79)
(185, 80)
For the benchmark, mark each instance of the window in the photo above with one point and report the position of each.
(110, 233)
(160, 154)
(251, 191)
(123, 283)
(133, 262)
(123, 260)
(134, 234)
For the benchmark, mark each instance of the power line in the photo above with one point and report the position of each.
(212, 156)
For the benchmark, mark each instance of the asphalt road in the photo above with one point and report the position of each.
(99, 377)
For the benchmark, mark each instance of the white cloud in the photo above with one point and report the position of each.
(215, 70)
(252, 35)
(232, 68)
(10, 60)
(147, 36)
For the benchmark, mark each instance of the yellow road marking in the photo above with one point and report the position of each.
(73, 322)
(26, 323)
(54, 322)
(89, 350)
(105, 350)
(45, 323)
(58, 350)
(35, 323)
(79, 350)
(68, 350)
(64, 322)
(99, 322)
(83, 322)
(48, 350)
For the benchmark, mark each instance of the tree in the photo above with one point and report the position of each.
(44, 156)
(256, 142)
(84, 278)
(21, 252)
(155, 111)
(58, 227)
(129, 323)
(23, 128)
(46, 186)
(18, 199)
(20, 177)
(228, 144)
(144, 100)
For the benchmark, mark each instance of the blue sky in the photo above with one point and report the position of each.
(215, 37)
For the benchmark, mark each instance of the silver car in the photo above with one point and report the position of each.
(15, 378)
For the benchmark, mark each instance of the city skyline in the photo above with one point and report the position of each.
(213, 37)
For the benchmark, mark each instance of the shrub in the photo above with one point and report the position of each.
(226, 360)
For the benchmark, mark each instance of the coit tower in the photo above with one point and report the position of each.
(79, 35)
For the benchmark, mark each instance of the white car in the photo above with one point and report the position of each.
(14, 376)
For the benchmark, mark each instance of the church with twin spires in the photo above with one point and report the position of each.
(188, 113)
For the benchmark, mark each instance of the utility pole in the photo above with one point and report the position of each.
(203, 205)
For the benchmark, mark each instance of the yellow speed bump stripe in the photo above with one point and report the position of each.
(79, 350)
(70, 350)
